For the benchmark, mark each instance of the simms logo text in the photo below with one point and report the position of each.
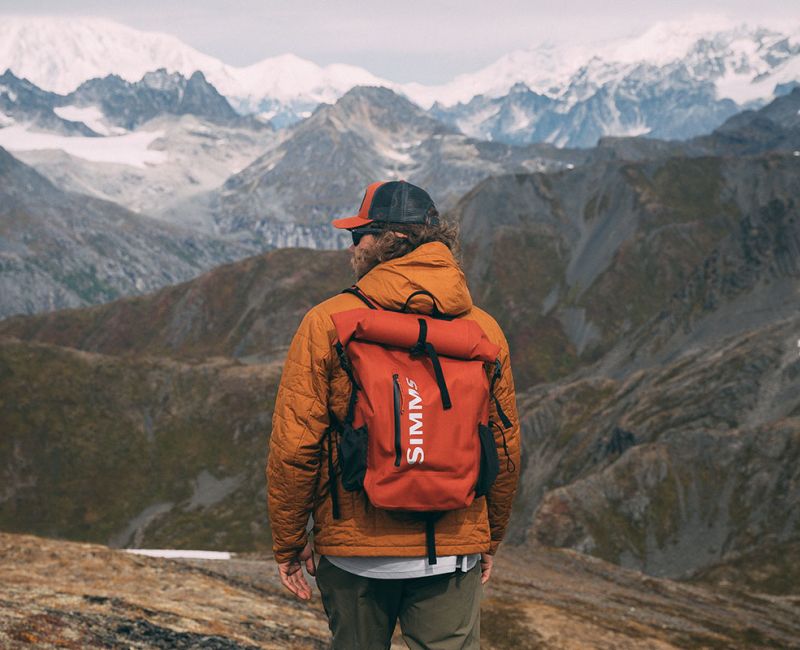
(415, 452)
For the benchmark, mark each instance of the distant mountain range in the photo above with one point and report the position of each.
(308, 174)
(675, 80)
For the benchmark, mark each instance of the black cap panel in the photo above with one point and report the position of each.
(400, 202)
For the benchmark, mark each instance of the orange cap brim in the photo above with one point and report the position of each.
(348, 223)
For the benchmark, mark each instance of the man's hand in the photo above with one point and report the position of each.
(291, 573)
(486, 567)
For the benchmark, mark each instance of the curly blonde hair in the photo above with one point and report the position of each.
(401, 239)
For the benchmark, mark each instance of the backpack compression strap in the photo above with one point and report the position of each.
(423, 347)
(430, 519)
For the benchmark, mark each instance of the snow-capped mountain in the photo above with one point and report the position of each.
(128, 105)
(744, 63)
(144, 144)
(59, 54)
(22, 101)
(676, 80)
(112, 106)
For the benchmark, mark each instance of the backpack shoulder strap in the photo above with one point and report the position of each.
(354, 290)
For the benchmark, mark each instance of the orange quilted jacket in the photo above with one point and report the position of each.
(312, 382)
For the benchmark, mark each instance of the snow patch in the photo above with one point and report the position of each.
(5, 90)
(6, 120)
(177, 553)
(132, 149)
(393, 154)
(632, 131)
(91, 116)
(472, 125)
(521, 120)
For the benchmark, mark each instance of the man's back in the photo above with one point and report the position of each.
(314, 382)
(393, 260)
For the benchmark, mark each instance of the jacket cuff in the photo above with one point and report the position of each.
(285, 555)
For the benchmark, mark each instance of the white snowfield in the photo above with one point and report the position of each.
(91, 116)
(176, 553)
(129, 149)
(745, 62)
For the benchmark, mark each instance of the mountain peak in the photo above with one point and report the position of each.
(59, 53)
(162, 80)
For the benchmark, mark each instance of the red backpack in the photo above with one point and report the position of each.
(416, 436)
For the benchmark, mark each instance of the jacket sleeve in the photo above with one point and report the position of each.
(298, 425)
(507, 441)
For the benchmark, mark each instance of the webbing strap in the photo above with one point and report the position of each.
(423, 347)
(510, 466)
(501, 414)
(430, 539)
(354, 290)
(422, 339)
(437, 369)
(344, 362)
(354, 387)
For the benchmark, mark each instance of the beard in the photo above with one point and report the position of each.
(363, 261)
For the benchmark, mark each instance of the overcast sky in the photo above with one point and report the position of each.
(428, 41)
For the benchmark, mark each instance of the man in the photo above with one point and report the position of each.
(373, 568)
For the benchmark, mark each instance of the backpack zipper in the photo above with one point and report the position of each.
(398, 406)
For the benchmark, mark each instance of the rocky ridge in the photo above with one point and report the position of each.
(23, 101)
(129, 105)
(118, 105)
(307, 177)
(60, 249)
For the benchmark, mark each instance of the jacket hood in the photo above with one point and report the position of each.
(430, 267)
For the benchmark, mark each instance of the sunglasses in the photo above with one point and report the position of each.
(358, 233)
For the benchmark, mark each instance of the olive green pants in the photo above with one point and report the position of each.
(436, 613)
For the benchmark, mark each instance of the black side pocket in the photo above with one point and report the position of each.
(353, 457)
(490, 463)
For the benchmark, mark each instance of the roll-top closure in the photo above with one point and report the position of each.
(459, 338)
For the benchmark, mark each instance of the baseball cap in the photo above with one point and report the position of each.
(391, 202)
